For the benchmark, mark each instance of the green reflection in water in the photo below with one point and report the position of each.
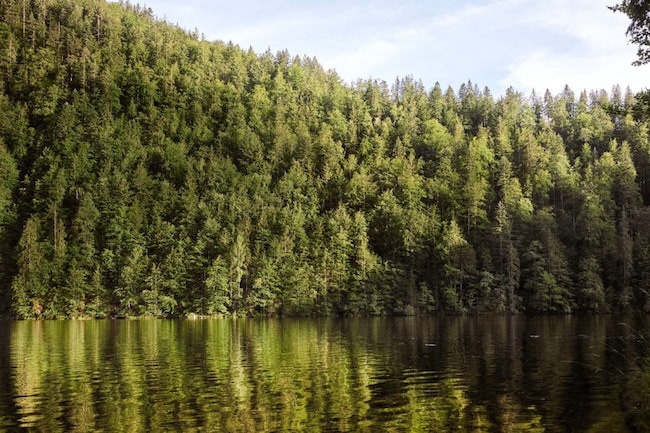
(410, 374)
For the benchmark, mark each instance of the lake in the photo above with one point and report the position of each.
(466, 374)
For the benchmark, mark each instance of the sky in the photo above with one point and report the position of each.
(524, 44)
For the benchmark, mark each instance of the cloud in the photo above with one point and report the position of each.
(496, 43)
(359, 61)
(590, 53)
(477, 13)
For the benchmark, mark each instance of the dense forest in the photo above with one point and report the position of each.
(145, 171)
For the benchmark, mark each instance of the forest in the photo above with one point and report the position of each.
(146, 171)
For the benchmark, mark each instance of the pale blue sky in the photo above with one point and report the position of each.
(525, 44)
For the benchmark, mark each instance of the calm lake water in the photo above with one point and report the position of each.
(468, 374)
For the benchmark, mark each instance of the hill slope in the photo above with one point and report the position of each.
(144, 171)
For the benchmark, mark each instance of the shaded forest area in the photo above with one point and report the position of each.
(147, 171)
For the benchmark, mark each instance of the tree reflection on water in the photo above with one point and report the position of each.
(478, 374)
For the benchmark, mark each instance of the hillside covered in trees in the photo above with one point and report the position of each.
(146, 171)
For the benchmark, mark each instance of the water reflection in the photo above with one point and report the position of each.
(406, 374)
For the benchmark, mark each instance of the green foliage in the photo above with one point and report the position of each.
(144, 171)
(217, 288)
(639, 13)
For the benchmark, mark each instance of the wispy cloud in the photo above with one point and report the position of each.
(590, 53)
(496, 43)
